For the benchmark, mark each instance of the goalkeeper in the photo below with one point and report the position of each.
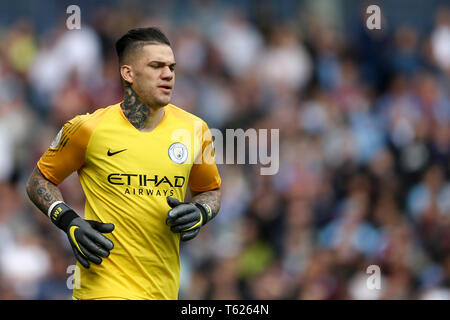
(135, 160)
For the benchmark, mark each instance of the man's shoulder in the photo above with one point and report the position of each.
(96, 114)
(183, 114)
(90, 120)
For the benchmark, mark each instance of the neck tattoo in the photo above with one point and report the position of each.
(134, 110)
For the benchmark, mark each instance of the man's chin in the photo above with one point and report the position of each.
(163, 102)
(156, 104)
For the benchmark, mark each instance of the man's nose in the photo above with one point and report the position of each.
(166, 73)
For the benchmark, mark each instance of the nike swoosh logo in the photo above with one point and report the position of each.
(195, 225)
(113, 153)
(74, 240)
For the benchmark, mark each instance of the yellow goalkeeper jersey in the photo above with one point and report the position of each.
(126, 176)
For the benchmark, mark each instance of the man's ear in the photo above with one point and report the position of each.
(127, 74)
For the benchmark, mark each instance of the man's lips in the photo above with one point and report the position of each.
(165, 88)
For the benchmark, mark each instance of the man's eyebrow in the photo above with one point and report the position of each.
(163, 63)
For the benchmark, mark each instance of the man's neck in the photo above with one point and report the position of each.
(140, 115)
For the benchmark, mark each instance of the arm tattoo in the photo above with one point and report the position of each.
(42, 192)
(134, 110)
(211, 198)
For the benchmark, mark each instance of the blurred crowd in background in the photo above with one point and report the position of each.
(364, 119)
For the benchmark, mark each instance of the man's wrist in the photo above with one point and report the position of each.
(52, 206)
(62, 215)
(205, 210)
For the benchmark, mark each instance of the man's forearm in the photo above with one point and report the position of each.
(211, 198)
(42, 192)
(85, 236)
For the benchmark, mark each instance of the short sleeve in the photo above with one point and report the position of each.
(66, 153)
(204, 174)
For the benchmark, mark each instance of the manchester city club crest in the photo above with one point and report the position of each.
(178, 153)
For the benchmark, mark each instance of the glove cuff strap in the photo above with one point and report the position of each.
(62, 215)
(205, 210)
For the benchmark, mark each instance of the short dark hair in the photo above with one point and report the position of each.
(137, 38)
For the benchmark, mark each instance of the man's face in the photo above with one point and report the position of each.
(153, 74)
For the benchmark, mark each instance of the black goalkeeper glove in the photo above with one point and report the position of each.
(187, 218)
(85, 236)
